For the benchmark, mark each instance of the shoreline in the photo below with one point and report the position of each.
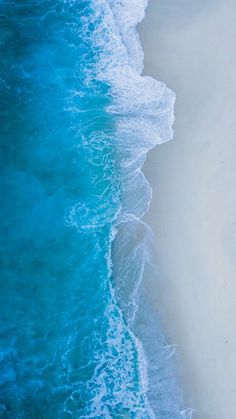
(194, 199)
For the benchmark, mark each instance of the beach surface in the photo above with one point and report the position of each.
(190, 46)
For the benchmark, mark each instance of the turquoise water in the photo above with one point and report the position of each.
(76, 122)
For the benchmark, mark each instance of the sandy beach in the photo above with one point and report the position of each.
(190, 46)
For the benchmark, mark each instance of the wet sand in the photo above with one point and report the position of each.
(190, 46)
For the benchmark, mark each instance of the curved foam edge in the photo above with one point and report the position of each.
(143, 110)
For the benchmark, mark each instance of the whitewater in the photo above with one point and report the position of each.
(77, 335)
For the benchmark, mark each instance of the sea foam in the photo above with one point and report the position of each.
(143, 111)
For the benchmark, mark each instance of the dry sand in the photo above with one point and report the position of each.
(191, 46)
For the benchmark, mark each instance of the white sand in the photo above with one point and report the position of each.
(191, 46)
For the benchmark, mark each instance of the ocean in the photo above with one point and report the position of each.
(77, 120)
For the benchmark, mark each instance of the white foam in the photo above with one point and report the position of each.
(143, 113)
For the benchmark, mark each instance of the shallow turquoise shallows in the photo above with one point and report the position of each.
(73, 117)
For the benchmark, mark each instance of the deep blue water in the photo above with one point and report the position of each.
(76, 122)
